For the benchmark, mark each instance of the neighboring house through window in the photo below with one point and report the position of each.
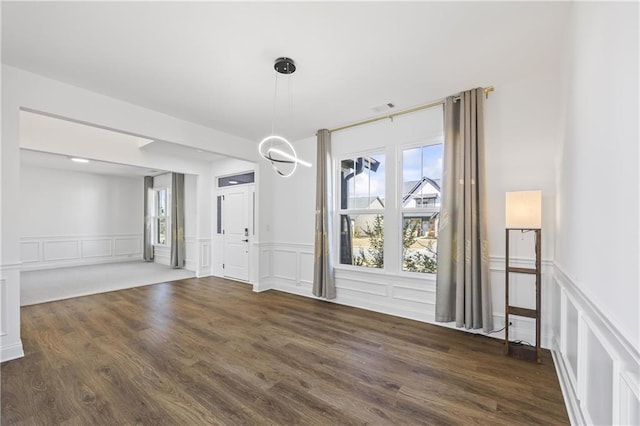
(362, 189)
(420, 205)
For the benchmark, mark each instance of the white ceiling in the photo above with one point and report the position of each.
(211, 62)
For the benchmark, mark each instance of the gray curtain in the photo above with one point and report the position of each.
(463, 292)
(177, 220)
(323, 280)
(147, 244)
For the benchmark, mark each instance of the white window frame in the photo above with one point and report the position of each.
(354, 212)
(155, 217)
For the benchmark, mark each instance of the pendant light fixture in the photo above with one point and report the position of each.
(274, 148)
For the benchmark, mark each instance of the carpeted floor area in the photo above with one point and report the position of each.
(64, 283)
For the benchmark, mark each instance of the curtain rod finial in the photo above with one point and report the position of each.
(488, 90)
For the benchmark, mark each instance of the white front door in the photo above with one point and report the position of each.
(236, 233)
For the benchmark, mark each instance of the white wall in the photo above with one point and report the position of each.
(28, 91)
(62, 202)
(597, 215)
(191, 222)
(70, 218)
(522, 132)
(598, 186)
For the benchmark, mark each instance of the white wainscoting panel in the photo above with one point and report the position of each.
(570, 334)
(30, 251)
(597, 366)
(3, 313)
(629, 398)
(305, 268)
(285, 265)
(204, 265)
(191, 253)
(265, 262)
(217, 255)
(412, 294)
(48, 252)
(162, 255)
(101, 247)
(263, 280)
(127, 246)
(61, 250)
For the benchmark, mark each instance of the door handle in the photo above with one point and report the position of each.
(246, 241)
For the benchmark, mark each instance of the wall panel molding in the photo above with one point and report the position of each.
(191, 251)
(30, 252)
(98, 247)
(60, 250)
(288, 267)
(3, 315)
(128, 246)
(204, 268)
(162, 255)
(50, 252)
(596, 364)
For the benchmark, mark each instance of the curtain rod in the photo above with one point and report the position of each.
(487, 90)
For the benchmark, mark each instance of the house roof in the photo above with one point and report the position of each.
(407, 186)
(365, 202)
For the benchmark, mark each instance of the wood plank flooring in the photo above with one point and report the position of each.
(210, 351)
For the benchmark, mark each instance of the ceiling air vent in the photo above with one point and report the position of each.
(383, 107)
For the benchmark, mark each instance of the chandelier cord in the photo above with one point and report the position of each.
(290, 102)
(273, 115)
(277, 149)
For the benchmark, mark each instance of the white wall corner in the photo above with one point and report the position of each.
(262, 285)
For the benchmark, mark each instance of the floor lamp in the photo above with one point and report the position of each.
(523, 211)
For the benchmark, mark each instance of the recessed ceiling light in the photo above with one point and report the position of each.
(233, 182)
(80, 160)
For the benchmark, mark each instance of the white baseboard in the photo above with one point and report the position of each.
(10, 352)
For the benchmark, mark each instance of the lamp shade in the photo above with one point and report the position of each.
(523, 210)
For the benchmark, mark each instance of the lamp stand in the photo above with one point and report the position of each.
(529, 353)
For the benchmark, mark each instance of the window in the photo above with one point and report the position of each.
(361, 215)
(420, 205)
(387, 195)
(239, 179)
(161, 216)
(219, 200)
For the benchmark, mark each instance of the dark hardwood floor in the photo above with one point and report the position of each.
(210, 351)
